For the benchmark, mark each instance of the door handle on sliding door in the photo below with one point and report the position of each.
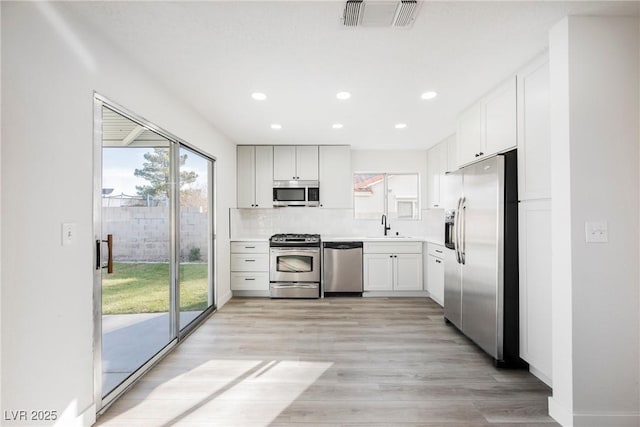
(109, 243)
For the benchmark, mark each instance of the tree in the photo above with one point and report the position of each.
(156, 171)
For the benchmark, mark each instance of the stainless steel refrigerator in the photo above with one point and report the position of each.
(481, 260)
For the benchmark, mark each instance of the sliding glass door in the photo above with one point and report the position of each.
(154, 246)
(195, 235)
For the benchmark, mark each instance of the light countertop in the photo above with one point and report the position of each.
(341, 238)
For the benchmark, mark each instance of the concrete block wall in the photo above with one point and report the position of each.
(142, 234)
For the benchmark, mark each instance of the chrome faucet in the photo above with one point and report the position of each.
(384, 222)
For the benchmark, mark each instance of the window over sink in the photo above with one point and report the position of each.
(396, 195)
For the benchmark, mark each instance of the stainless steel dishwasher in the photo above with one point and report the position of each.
(342, 268)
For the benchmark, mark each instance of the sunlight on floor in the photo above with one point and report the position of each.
(268, 386)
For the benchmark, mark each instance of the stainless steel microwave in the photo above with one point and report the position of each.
(296, 193)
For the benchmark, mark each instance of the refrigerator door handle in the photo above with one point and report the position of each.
(463, 229)
(456, 232)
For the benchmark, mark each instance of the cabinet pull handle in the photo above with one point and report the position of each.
(249, 247)
(481, 153)
(439, 251)
(435, 206)
(249, 278)
(438, 261)
(249, 260)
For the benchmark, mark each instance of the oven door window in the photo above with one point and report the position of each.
(289, 194)
(294, 263)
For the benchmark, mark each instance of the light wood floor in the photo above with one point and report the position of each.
(331, 362)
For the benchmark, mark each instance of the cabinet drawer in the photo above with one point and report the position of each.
(249, 281)
(249, 262)
(393, 247)
(249, 247)
(435, 250)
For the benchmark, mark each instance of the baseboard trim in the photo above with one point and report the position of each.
(542, 377)
(609, 420)
(223, 299)
(263, 294)
(393, 294)
(68, 417)
(559, 413)
(612, 419)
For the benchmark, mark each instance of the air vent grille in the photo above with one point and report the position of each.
(379, 13)
(352, 13)
(405, 13)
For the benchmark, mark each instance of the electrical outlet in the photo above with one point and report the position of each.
(596, 232)
(68, 233)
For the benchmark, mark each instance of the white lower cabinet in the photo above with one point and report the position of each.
(408, 272)
(435, 272)
(392, 266)
(250, 267)
(378, 272)
(535, 285)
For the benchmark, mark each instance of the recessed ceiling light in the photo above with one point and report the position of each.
(429, 95)
(337, 126)
(343, 95)
(258, 96)
(276, 126)
(401, 125)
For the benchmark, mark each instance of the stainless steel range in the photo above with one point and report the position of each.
(294, 267)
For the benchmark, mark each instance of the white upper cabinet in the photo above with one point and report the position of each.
(499, 110)
(284, 162)
(335, 176)
(307, 162)
(452, 153)
(469, 135)
(534, 147)
(254, 176)
(246, 176)
(292, 162)
(489, 126)
(437, 157)
(264, 176)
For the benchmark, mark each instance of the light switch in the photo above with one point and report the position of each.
(68, 233)
(596, 232)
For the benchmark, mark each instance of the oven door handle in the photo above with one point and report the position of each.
(295, 285)
(302, 250)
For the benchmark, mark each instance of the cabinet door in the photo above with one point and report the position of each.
(435, 279)
(452, 154)
(284, 162)
(534, 147)
(245, 176)
(264, 176)
(335, 176)
(500, 119)
(469, 134)
(307, 162)
(433, 177)
(408, 272)
(534, 239)
(378, 272)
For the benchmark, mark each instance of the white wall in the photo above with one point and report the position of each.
(50, 68)
(595, 101)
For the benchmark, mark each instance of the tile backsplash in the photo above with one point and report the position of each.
(246, 223)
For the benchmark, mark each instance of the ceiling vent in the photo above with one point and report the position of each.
(358, 13)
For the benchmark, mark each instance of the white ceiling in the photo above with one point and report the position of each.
(213, 55)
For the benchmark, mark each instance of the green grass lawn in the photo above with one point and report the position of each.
(144, 288)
